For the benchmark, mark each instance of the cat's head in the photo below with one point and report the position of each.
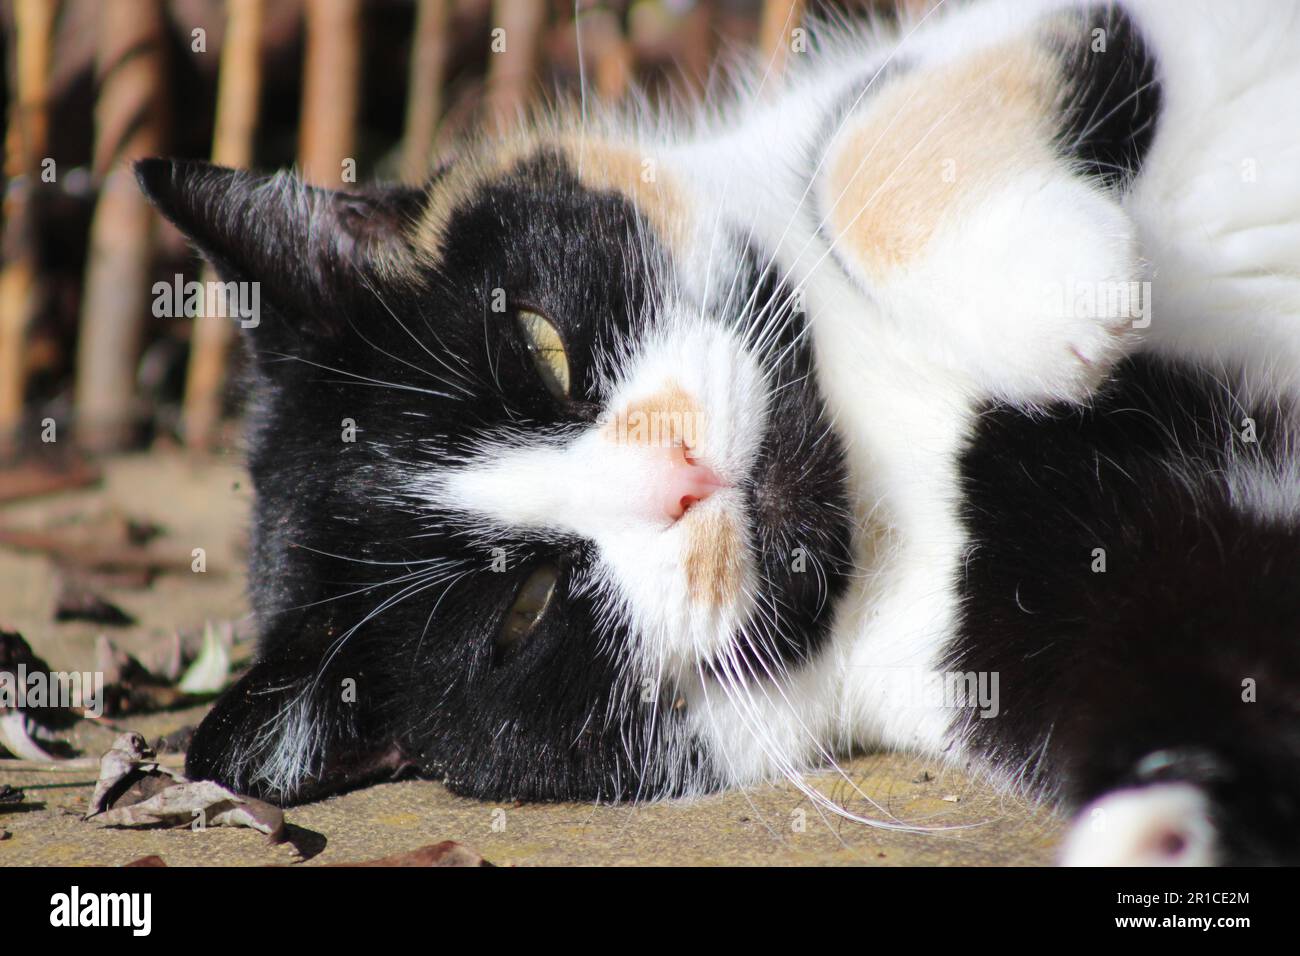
(543, 479)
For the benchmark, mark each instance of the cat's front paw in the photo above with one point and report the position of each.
(1034, 294)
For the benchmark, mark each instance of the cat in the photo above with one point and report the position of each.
(938, 396)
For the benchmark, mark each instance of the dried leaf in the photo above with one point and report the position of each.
(129, 686)
(36, 478)
(110, 660)
(15, 738)
(22, 727)
(75, 550)
(127, 579)
(182, 803)
(107, 541)
(135, 790)
(77, 602)
(126, 763)
(177, 742)
(446, 853)
(211, 669)
(165, 657)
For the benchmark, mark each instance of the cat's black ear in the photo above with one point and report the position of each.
(309, 249)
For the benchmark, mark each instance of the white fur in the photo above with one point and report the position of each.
(904, 359)
(1160, 825)
(580, 483)
(994, 298)
(1218, 205)
(902, 362)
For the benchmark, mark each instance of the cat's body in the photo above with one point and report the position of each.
(831, 405)
(916, 353)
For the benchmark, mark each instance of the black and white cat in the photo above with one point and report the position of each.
(939, 397)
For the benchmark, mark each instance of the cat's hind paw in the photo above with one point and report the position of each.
(1158, 825)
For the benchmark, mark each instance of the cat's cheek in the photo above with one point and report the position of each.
(714, 560)
(687, 592)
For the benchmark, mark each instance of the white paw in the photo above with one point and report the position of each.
(1159, 825)
(1033, 293)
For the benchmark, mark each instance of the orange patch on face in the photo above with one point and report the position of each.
(599, 164)
(714, 557)
(466, 174)
(605, 166)
(930, 142)
(668, 418)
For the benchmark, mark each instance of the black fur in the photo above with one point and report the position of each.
(337, 532)
(1099, 670)
(797, 494)
(1111, 110)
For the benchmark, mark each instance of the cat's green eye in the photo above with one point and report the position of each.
(531, 603)
(547, 349)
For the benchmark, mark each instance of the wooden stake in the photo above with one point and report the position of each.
(331, 93)
(25, 144)
(130, 117)
(697, 47)
(607, 51)
(239, 88)
(780, 18)
(916, 9)
(516, 36)
(424, 88)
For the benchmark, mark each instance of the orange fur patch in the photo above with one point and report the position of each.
(667, 418)
(467, 173)
(931, 142)
(599, 165)
(714, 543)
(608, 167)
(714, 557)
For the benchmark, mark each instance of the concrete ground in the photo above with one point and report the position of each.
(204, 504)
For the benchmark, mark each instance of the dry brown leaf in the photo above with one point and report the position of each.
(16, 740)
(105, 542)
(127, 762)
(129, 686)
(36, 478)
(446, 853)
(28, 732)
(76, 601)
(134, 790)
(181, 804)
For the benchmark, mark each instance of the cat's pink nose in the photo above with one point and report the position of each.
(685, 482)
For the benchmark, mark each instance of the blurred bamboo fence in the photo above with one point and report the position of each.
(333, 87)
